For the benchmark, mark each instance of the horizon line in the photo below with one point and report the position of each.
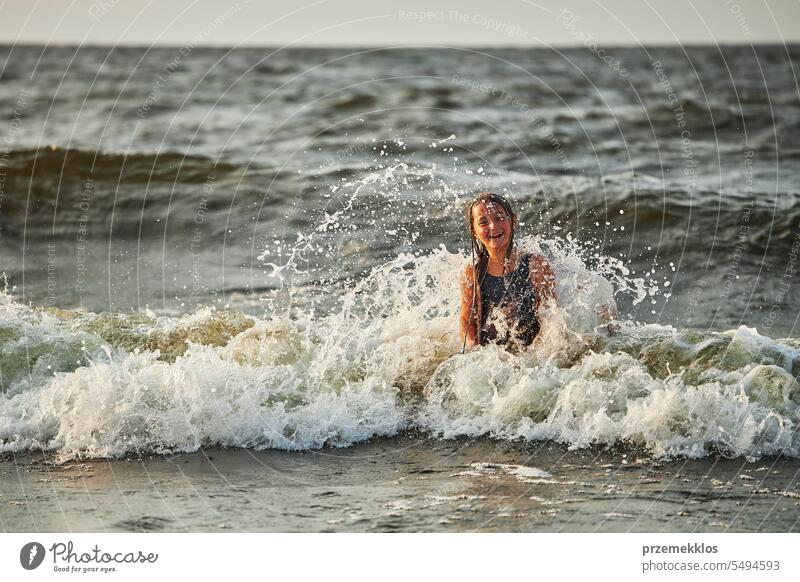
(70, 44)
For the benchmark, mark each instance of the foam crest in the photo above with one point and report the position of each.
(387, 359)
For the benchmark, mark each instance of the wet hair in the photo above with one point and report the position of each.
(480, 255)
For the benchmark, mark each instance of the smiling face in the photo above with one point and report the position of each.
(492, 225)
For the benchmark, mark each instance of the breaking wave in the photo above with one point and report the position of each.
(388, 359)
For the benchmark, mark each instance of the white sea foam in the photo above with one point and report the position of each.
(388, 359)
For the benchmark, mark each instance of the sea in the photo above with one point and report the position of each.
(245, 262)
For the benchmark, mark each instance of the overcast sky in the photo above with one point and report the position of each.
(385, 22)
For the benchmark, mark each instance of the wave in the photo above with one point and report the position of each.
(60, 187)
(387, 360)
(649, 206)
(695, 113)
(138, 166)
(49, 190)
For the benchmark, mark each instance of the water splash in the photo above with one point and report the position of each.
(386, 361)
(356, 349)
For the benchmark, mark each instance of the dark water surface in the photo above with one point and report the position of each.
(403, 484)
(180, 170)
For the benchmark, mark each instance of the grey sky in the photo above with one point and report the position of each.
(384, 22)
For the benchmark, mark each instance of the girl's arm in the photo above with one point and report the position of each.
(469, 308)
(543, 279)
(607, 316)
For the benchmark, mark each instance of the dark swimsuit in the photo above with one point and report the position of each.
(515, 296)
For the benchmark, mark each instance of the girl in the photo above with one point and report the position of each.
(503, 291)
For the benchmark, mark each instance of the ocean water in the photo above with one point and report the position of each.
(260, 248)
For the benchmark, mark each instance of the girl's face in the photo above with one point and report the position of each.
(492, 226)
